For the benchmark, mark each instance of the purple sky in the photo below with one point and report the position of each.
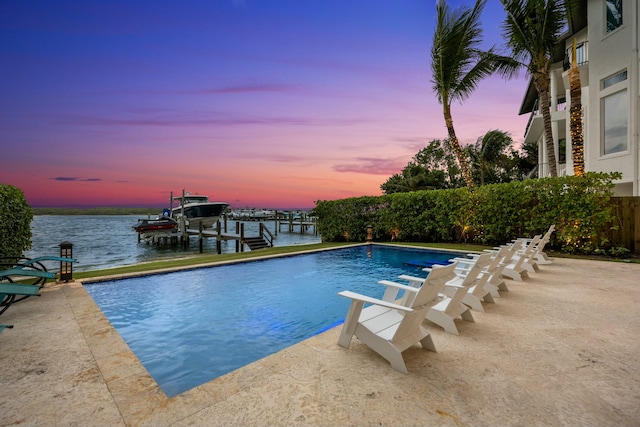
(272, 104)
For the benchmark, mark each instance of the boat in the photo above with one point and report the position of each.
(196, 209)
(162, 223)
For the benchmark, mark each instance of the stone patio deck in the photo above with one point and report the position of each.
(559, 349)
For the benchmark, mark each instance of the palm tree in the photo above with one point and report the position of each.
(575, 116)
(489, 154)
(458, 64)
(531, 30)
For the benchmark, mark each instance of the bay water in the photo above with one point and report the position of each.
(107, 241)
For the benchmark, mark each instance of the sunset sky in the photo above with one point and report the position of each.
(259, 103)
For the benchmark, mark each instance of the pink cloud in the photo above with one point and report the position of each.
(372, 166)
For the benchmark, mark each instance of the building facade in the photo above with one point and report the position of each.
(607, 37)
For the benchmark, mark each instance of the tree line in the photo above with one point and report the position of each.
(492, 160)
(97, 211)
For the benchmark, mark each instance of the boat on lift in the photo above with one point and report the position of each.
(162, 223)
(196, 209)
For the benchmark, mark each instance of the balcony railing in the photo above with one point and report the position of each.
(582, 55)
(534, 112)
(543, 170)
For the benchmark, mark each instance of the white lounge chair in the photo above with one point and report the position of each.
(389, 328)
(495, 282)
(529, 253)
(444, 312)
(449, 308)
(540, 256)
(478, 291)
(518, 266)
(481, 290)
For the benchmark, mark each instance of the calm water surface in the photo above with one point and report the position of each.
(189, 327)
(106, 241)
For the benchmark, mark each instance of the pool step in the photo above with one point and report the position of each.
(255, 243)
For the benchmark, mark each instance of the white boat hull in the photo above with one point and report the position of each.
(195, 213)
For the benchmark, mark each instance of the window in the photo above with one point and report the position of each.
(614, 14)
(615, 122)
(616, 78)
(562, 150)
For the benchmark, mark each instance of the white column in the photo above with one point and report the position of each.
(554, 132)
(553, 91)
(543, 168)
(567, 132)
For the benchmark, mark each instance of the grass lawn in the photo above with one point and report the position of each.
(197, 260)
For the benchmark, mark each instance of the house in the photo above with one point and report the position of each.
(607, 39)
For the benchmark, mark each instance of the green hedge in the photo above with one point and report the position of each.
(15, 222)
(489, 215)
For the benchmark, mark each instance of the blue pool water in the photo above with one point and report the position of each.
(192, 326)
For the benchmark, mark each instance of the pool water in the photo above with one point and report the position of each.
(192, 326)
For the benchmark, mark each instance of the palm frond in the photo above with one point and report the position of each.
(456, 61)
(531, 29)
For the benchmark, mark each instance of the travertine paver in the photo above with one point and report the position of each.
(559, 349)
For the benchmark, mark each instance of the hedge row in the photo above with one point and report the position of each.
(15, 222)
(492, 214)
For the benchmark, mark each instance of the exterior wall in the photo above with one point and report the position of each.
(611, 53)
(608, 54)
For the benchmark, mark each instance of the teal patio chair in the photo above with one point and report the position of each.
(11, 293)
(31, 271)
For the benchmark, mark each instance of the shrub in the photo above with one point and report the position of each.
(491, 214)
(619, 252)
(15, 224)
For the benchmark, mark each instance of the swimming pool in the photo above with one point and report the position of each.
(192, 326)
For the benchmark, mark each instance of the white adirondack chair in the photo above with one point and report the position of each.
(478, 291)
(540, 256)
(444, 312)
(495, 282)
(389, 328)
(518, 266)
(451, 307)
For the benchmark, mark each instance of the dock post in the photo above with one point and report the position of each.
(200, 236)
(237, 240)
(219, 237)
(184, 233)
(276, 222)
(242, 237)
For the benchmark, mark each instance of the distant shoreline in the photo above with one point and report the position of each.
(97, 211)
(112, 211)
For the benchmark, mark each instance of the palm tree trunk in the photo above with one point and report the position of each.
(542, 82)
(575, 117)
(455, 145)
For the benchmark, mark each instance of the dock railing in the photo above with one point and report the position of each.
(266, 235)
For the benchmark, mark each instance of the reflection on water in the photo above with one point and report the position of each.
(250, 310)
(105, 241)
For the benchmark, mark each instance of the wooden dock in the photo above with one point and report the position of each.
(181, 236)
(301, 223)
(291, 221)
